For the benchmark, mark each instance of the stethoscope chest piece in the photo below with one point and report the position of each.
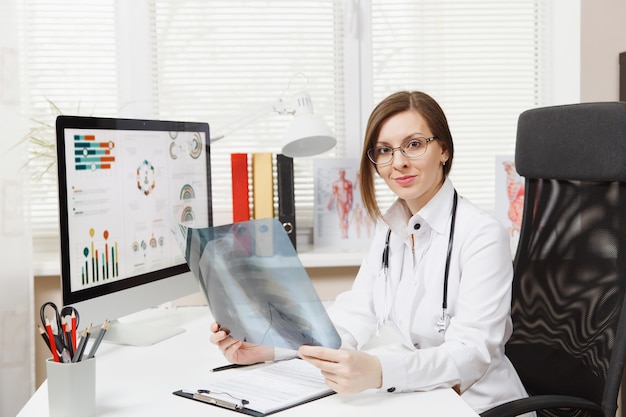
(443, 323)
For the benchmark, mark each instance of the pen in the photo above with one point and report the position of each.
(230, 366)
(103, 330)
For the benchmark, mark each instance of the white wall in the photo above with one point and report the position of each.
(562, 63)
(16, 318)
(603, 37)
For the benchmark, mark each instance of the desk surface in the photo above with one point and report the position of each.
(133, 381)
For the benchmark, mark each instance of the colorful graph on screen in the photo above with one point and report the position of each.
(187, 216)
(187, 192)
(101, 260)
(146, 177)
(89, 154)
(192, 146)
(195, 146)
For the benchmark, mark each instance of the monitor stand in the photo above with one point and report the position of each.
(139, 333)
(152, 325)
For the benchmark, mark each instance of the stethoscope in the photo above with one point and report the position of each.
(444, 321)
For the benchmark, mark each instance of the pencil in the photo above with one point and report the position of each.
(73, 319)
(44, 336)
(81, 345)
(103, 330)
(53, 346)
(67, 336)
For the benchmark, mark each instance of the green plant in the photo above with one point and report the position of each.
(41, 140)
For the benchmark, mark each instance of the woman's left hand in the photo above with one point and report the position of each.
(346, 371)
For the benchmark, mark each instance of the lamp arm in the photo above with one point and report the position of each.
(277, 107)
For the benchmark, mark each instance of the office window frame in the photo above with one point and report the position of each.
(137, 94)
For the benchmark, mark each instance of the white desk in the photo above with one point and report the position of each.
(134, 381)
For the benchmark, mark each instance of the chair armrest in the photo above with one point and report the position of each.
(542, 402)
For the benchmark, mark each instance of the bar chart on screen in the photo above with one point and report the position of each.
(91, 154)
(101, 258)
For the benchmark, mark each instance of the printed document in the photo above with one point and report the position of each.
(270, 388)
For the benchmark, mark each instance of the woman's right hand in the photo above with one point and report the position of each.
(236, 351)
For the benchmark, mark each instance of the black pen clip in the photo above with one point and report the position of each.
(212, 397)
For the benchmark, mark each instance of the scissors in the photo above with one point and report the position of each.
(64, 339)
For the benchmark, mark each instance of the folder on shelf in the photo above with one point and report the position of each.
(240, 188)
(262, 185)
(286, 196)
(264, 389)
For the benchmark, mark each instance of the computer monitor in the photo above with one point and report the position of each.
(123, 185)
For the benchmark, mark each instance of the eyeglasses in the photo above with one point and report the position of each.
(413, 148)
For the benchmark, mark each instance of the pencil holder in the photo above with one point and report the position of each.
(72, 388)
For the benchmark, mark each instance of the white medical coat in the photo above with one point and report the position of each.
(470, 354)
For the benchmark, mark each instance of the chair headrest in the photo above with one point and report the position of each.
(581, 142)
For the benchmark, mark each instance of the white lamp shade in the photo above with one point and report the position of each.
(307, 134)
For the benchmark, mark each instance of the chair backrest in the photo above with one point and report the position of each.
(568, 311)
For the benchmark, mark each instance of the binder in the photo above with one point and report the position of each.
(298, 383)
(262, 185)
(286, 196)
(240, 188)
(264, 237)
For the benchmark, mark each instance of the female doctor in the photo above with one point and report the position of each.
(437, 276)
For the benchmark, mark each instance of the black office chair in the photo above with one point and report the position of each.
(569, 336)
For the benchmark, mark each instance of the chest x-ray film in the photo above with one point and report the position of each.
(256, 285)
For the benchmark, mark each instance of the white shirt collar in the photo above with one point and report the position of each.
(435, 214)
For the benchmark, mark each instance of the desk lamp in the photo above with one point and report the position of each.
(307, 135)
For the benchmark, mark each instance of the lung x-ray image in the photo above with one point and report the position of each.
(255, 284)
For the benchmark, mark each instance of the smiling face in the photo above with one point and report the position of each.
(397, 117)
(415, 180)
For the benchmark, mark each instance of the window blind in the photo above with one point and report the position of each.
(480, 60)
(68, 65)
(220, 61)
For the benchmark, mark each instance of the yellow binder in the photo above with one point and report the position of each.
(262, 185)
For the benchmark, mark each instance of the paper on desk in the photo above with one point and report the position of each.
(256, 285)
(273, 387)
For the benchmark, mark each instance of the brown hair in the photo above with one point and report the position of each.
(396, 103)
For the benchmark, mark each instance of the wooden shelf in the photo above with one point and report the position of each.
(320, 258)
(309, 257)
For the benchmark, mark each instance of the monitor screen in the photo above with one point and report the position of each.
(123, 185)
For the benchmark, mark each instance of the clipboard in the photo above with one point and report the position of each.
(207, 399)
(305, 383)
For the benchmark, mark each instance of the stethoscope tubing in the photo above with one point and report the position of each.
(444, 304)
